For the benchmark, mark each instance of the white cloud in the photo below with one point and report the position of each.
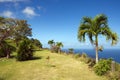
(7, 14)
(29, 12)
(12, 0)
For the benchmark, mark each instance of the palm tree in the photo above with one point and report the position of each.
(92, 27)
(51, 43)
(59, 45)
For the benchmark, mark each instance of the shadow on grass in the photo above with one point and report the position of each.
(38, 50)
(2, 78)
(50, 65)
(36, 58)
(12, 56)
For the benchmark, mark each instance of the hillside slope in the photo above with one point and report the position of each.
(60, 67)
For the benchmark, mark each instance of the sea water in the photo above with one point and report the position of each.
(106, 53)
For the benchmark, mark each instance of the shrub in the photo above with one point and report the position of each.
(84, 58)
(113, 75)
(77, 55)
(25, 50)
(91, 62)
(102, 67)
(84, 55)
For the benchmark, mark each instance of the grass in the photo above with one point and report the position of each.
(59, 67)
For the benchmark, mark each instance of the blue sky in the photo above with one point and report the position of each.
(59, 19)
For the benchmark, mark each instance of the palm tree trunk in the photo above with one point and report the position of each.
(96, 41)
(59, 50)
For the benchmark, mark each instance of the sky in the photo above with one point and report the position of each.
(60, 19)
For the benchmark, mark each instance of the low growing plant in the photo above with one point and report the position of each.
(102, 67)
(77, 55)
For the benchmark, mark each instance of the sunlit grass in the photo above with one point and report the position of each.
(59, 67)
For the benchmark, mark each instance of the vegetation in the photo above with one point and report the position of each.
(36, 43)
(25, 50)
(102, 67)
(95, 27)
(71, 50)
(14, 35)
(6, 49)
(60, 67)
(12, 29)
(59, 45)
(55, 47)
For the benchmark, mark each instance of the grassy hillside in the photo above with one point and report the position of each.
(60, 67)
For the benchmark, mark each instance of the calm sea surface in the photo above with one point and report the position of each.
(106, 53)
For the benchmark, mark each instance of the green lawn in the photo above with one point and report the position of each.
(60, 67)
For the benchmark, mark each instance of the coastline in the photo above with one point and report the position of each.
(106, 53)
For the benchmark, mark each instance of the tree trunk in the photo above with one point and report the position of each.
(96, 49)
(8, 55)
(59, 50)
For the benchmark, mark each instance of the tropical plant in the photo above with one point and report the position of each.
(51, 43)
(59, 45)
(93, 27)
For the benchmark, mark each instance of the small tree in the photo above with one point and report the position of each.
(25, 50)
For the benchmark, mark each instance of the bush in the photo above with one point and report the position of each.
(91, 62)
(114, 75)
(84, 55)
(77, 55)
(102, 67)
(25, 50)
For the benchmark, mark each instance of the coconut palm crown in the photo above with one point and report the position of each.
(93, 27)
(59, 45)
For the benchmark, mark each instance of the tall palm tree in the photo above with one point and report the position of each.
(51, 43)
(92, 27)
(59, 45)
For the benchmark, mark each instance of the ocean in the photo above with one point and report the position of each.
(106, 53)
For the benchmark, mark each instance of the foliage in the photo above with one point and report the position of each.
(55, 47)
(91, 62)
(59, 45)
(52, 44)
(16, 29)
(114, 75)
(102, 67)
(25, 50)
(37, 43)
(21, 30)
(93, 27)
(71, 50)
(77, 55)
(6, 49)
